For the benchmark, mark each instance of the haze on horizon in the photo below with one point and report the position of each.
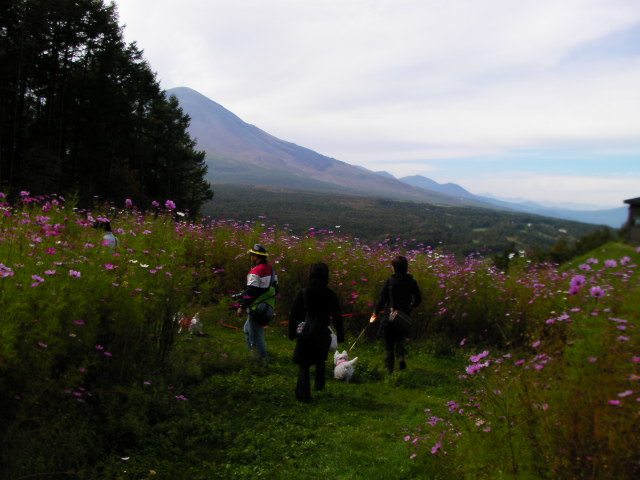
(535, 99)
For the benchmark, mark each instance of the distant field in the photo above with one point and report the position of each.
(459, 230)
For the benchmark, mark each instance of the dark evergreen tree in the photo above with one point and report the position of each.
(81, 111)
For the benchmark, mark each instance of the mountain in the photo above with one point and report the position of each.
(613, 217)
(445, 188)
(240, 153)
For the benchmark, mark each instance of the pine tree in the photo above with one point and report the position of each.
(82, 112)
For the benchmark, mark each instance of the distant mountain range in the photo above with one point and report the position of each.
(240, 153)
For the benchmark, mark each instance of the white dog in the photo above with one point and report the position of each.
(344, 367)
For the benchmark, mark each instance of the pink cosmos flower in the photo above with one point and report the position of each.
(480, 356)
(626, 393)
(170, 205)
(128, 203)
(596, 292)
(577, 281)
(436, 447)
(75, 273)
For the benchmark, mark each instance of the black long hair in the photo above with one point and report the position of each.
(319, 274)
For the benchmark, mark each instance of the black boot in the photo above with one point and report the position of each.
(389, 361)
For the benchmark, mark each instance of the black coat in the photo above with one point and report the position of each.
(400, 292)
(322, 304)
(403, 289)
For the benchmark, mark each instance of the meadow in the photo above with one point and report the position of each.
(530, 371)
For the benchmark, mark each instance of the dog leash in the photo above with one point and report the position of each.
(359, 336)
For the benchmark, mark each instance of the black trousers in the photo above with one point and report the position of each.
(303, 387)
(394, 345)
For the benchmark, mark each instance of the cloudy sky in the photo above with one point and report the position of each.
(537, 99)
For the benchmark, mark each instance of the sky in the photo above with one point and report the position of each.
(535, 99)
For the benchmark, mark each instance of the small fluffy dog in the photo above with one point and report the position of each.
(344, 367)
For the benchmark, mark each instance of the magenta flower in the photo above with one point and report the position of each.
(577, 281)
(436, 447)
(75, 273)
(155, 204)
(170, 205)
(610, 263)
(128, 203)
(480, 356)
(596, 292)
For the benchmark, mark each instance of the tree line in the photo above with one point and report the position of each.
(81, 111)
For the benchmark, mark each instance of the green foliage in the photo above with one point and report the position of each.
(91, 361)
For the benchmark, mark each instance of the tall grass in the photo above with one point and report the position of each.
(90, 358)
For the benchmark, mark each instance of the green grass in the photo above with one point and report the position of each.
(242, 421)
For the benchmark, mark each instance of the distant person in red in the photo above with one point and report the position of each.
(400, 292)
(260, 278)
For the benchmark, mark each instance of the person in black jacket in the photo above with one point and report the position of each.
(400, 292)
(317, 306)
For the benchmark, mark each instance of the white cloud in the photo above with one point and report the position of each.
(385, 83)
(605, 191)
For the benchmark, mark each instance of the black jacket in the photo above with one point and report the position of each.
(403, 289)
(322, 303)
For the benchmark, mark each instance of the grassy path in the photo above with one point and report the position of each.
(244, 422)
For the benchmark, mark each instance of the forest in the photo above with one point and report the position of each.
(82, 113)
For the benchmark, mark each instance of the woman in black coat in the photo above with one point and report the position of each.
(400, 292)
(317, 306)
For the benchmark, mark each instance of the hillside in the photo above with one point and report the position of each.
(240, 153)
(459, 230)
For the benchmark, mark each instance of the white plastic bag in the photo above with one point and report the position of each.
(334, 341)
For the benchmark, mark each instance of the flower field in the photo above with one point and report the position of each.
(89, 337)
